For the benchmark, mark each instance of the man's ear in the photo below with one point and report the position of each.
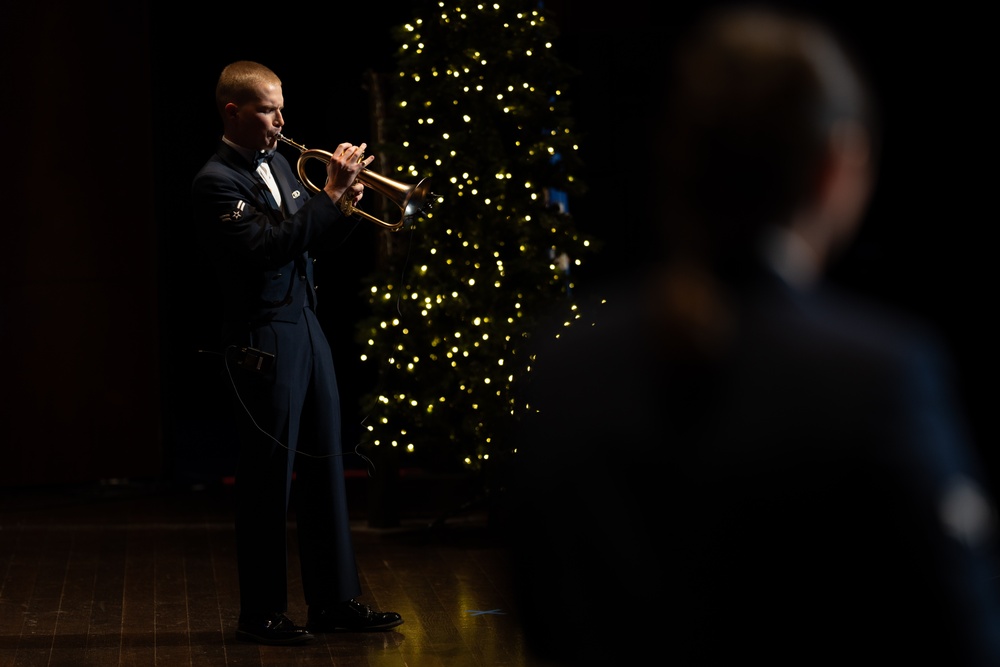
(846, 182)
(830, 220)
(231, 110)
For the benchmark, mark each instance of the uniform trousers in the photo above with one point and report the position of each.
(291, 464)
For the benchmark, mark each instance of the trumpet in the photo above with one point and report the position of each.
(409, 198)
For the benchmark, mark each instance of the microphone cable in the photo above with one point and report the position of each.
(232, 381)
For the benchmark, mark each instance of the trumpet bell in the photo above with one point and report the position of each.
(409, 198)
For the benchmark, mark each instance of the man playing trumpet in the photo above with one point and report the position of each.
(259, 224)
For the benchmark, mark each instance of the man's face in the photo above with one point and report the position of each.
(257, 124)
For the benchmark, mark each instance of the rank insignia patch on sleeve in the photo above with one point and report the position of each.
(235, 214)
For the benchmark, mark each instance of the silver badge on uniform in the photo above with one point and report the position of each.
(295, 195)
(235, 214)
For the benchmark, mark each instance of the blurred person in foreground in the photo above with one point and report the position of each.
(259, 224)
(736, 461)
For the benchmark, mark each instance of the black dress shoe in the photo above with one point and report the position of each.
(351, 616)
(275, 629)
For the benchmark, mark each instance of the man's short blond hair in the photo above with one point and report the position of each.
(240, 81)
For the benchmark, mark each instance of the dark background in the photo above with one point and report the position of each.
(109, 112)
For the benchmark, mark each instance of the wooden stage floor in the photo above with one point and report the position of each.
(146, 576)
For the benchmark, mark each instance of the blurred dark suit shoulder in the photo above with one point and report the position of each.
(784, 498)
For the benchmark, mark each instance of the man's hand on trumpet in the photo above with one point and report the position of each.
(342, 171)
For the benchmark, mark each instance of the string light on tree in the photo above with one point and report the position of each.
(478, 103)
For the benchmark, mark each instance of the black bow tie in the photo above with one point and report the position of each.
(263, 156)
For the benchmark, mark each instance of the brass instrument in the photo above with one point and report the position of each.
(409, 198)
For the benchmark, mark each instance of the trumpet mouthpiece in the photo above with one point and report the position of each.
(281, 137)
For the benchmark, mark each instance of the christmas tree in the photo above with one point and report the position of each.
(479, 106)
